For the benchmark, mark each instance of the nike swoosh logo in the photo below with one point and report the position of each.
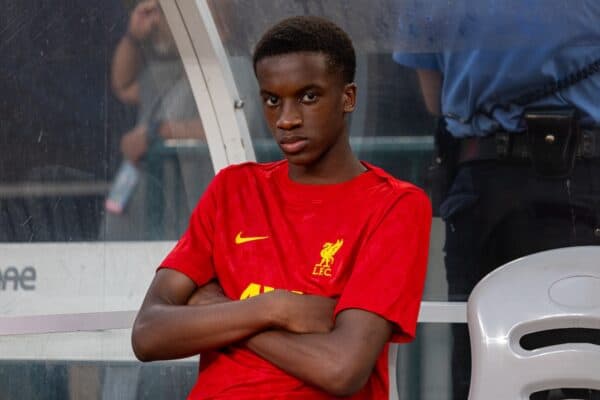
(239, 239)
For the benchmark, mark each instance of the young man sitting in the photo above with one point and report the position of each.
(294, 276)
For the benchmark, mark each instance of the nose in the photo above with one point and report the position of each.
(290, 116)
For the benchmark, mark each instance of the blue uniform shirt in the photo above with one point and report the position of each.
(489, 52)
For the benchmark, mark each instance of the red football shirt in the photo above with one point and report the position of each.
(364, 241)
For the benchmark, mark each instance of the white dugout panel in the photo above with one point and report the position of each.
(78, 300)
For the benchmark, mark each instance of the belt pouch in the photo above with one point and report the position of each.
(442, 169)
(552, 139)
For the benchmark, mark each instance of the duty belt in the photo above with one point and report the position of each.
(552, 141)
(511, 145)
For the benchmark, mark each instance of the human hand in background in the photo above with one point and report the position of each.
(144, 19)
(134, 143)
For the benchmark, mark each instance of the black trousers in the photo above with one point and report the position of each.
(496, 212)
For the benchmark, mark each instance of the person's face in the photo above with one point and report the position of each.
(305, 103)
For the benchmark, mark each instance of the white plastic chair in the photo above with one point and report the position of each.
(554, 289)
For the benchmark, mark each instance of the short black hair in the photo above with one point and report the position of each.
(309, 34)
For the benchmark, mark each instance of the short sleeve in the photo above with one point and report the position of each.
(430, 61)
(389, 273)
(193, 253)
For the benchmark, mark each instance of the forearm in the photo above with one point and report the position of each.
(184, 129)
(178, 319)
(308, 357)
(175, 331)
(339, 362)
(167, 331)
(126, 64)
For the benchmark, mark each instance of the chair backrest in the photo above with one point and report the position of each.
(535, 325)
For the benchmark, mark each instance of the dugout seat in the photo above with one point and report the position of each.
(534, 325)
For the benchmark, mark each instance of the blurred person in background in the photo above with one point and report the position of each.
(147, 72)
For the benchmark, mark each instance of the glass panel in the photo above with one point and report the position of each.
(87, 366)
(473, 69)
(101, 141)
(95, 380)
(424, 369)
(88, 109)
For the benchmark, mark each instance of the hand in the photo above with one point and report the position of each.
(134, 143)
(304, 313)
(144, 19)
(211, 293)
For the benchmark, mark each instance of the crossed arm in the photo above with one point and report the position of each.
(295, 332)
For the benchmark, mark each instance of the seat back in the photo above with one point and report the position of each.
(535, 325)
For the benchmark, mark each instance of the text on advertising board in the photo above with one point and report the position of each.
(13, 278)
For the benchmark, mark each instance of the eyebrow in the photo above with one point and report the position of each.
(303, 89)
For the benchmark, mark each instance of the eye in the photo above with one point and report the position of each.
(309, 97)
(271, 101)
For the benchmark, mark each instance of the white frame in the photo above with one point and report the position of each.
(431, 312)
(212, 82)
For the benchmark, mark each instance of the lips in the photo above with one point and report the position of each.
(292, 144)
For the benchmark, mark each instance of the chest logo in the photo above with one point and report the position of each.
(239, 239)
(327, 252)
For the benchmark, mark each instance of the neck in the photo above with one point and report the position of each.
(329, 170)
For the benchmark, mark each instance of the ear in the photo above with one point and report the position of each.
(349, 97)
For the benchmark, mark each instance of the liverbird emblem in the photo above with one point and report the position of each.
(327, 252)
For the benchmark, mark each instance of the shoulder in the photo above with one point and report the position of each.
(253, 173)
(394, 199)
(397, 187)
(238, 181)
(249, 168)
